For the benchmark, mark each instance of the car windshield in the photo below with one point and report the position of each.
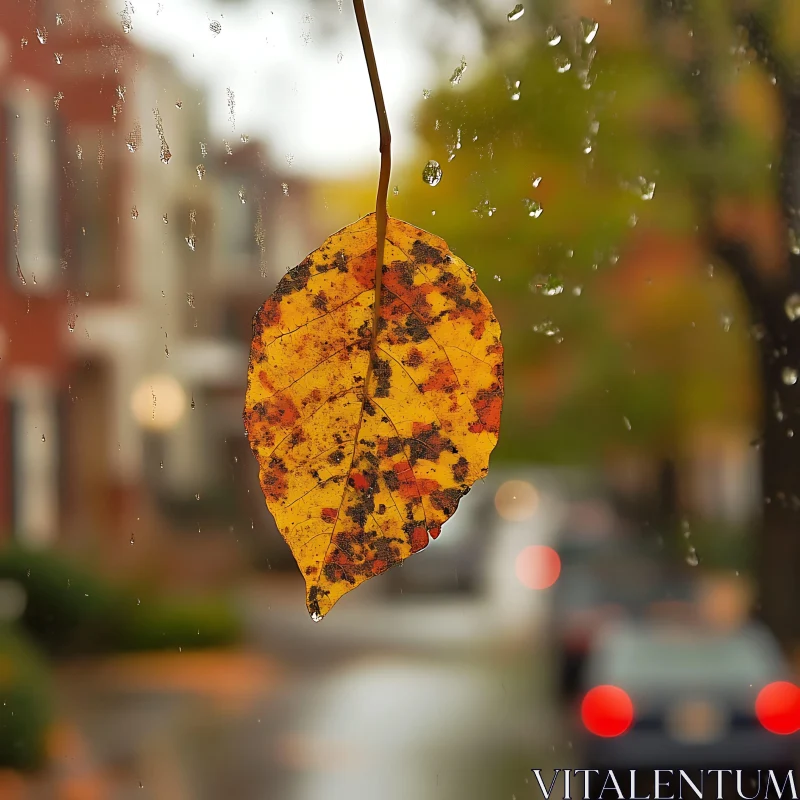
(679, 657)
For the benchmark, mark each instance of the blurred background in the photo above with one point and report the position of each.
(623, 175)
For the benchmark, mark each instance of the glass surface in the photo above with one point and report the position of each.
(624, 178)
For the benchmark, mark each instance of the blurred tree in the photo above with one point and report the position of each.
(599, 165)
(702, 101)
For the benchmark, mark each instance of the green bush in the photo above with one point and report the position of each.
(67, 609)
(168, 624)
(70, 611)
(26, 701)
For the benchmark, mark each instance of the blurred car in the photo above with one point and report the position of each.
(454, 562)
(603, 580)
(684, 696)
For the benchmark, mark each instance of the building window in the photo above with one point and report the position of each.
(32, 188)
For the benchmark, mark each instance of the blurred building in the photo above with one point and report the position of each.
(134, 253)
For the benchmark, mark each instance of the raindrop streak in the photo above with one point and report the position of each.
(458, 72)
(41, 35)
(215, 26)
(190, 299)
(165, 153)
(134, 213)
(553, 36)
(627, 422)
(789, 376)
(432, 173)
(589, 28)
(515, 91)
(242, 196)
(515, 13)
(691, 559)
(792, 306)
(201, 171)
(533, 208)
(285, 189)
(231, 106)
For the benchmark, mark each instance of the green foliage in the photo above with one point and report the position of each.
(172, 624)
(70, 610)
(641, 347)
(26, 702)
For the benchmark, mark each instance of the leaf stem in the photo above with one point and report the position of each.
(381, 211)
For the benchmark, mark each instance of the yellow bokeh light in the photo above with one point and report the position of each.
(516, 500)
(158, 402)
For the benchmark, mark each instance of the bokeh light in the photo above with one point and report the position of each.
(538, 566)
(607, 711)
(516, 500)
(778, 707)
(158, 402)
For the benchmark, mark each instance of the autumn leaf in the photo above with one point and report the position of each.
(361, 465)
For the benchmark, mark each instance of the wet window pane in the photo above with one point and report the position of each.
(249, 545)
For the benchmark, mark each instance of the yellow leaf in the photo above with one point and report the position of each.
(361, 466)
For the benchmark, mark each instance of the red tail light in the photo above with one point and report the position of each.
(778, 707)
(607, 711)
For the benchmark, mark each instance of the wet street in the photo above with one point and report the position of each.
(314, 712)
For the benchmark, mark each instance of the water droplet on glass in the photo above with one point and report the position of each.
(515, 12)
(165, 154)
(316, 616)
(285, 189)
(533, 208)
(498, 278)
(691, 558)
(426, 93)
(792, 306)
(794, 243)
(484, 209)
(43, 439)
(134, 213)
(789, 376)
(190, 299)
(396, 191)
(215, 26)
(589, 28)
(339, 57)
(548, 328)
(726, 320)
(178, 104)
(535, 181)
(646, 188)
(193, 406)
(553, 36)
(201, 171)
(563, 64)
(197, 496)
(59, 20)
(432, 173)
(242, 196)
(165, 219)
(577, 291)
(133, 541)
(59, 57)
(458, 72)
(192, 242)
(41, 35)
(548, 285)
(626, 422)
(514, 89)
